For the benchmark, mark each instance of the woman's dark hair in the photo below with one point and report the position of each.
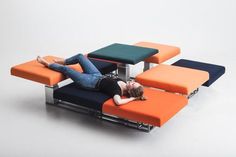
(137, 93)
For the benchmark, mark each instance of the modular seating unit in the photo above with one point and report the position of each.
(173, 78)
(32, 70)
(144, 115)
(165, 52)
(184, 76)
(125, 55)
(177, 83)
(155, 111)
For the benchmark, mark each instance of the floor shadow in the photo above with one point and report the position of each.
(37, 107)
(93, 123)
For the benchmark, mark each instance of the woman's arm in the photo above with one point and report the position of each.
(119, 101)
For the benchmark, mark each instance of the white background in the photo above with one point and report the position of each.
(203, 29)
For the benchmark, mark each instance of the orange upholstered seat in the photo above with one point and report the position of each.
(37, 72)
(173, 78)
(156, 110)
(165, 52)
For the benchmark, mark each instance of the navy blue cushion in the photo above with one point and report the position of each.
(104, 67)
(123, 53)
(215, 71)
(73, 94)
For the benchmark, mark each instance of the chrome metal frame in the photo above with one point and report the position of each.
(49, 94)
(193, 93)
(81, 109)
(146, 66)
(124, 71)
(102, 116)
(49, 90)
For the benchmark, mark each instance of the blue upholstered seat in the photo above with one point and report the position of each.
(73, 94)
(215, 71)
(91, 99)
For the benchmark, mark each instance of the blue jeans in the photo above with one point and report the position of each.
(88, 79)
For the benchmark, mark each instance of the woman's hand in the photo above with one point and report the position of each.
(119, 101)
(141, 98)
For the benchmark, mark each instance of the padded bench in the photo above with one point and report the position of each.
(156, 110)
(73, 94)
(215, 71)
(173, 78)
(165, 51)
(35, 71)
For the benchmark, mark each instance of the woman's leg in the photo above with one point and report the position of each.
(69, 72)
(88, 81)
(84, 62)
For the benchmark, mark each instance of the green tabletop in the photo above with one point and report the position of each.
(122, 53)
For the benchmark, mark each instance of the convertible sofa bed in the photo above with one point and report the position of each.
(167, 87)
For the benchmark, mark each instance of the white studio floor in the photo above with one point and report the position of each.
(206, 126)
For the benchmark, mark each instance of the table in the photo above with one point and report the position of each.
(125, 55)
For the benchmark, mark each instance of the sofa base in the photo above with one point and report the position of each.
(98, 114)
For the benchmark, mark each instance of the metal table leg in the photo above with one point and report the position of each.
(49, 94)
(124, 71)
(146, 66)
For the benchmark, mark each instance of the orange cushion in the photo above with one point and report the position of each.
(165, 52)
(35, 71)
(156, 110)
(173, 78)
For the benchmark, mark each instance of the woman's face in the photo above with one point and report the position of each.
(132, 84)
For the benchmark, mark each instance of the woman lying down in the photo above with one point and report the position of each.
(92, 79)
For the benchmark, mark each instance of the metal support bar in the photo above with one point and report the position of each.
(105, 117)
(146, 66)
(193, 93)
(128, 123)
(88, 111)
(124, 71)
(49, 94)
(116, 72)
